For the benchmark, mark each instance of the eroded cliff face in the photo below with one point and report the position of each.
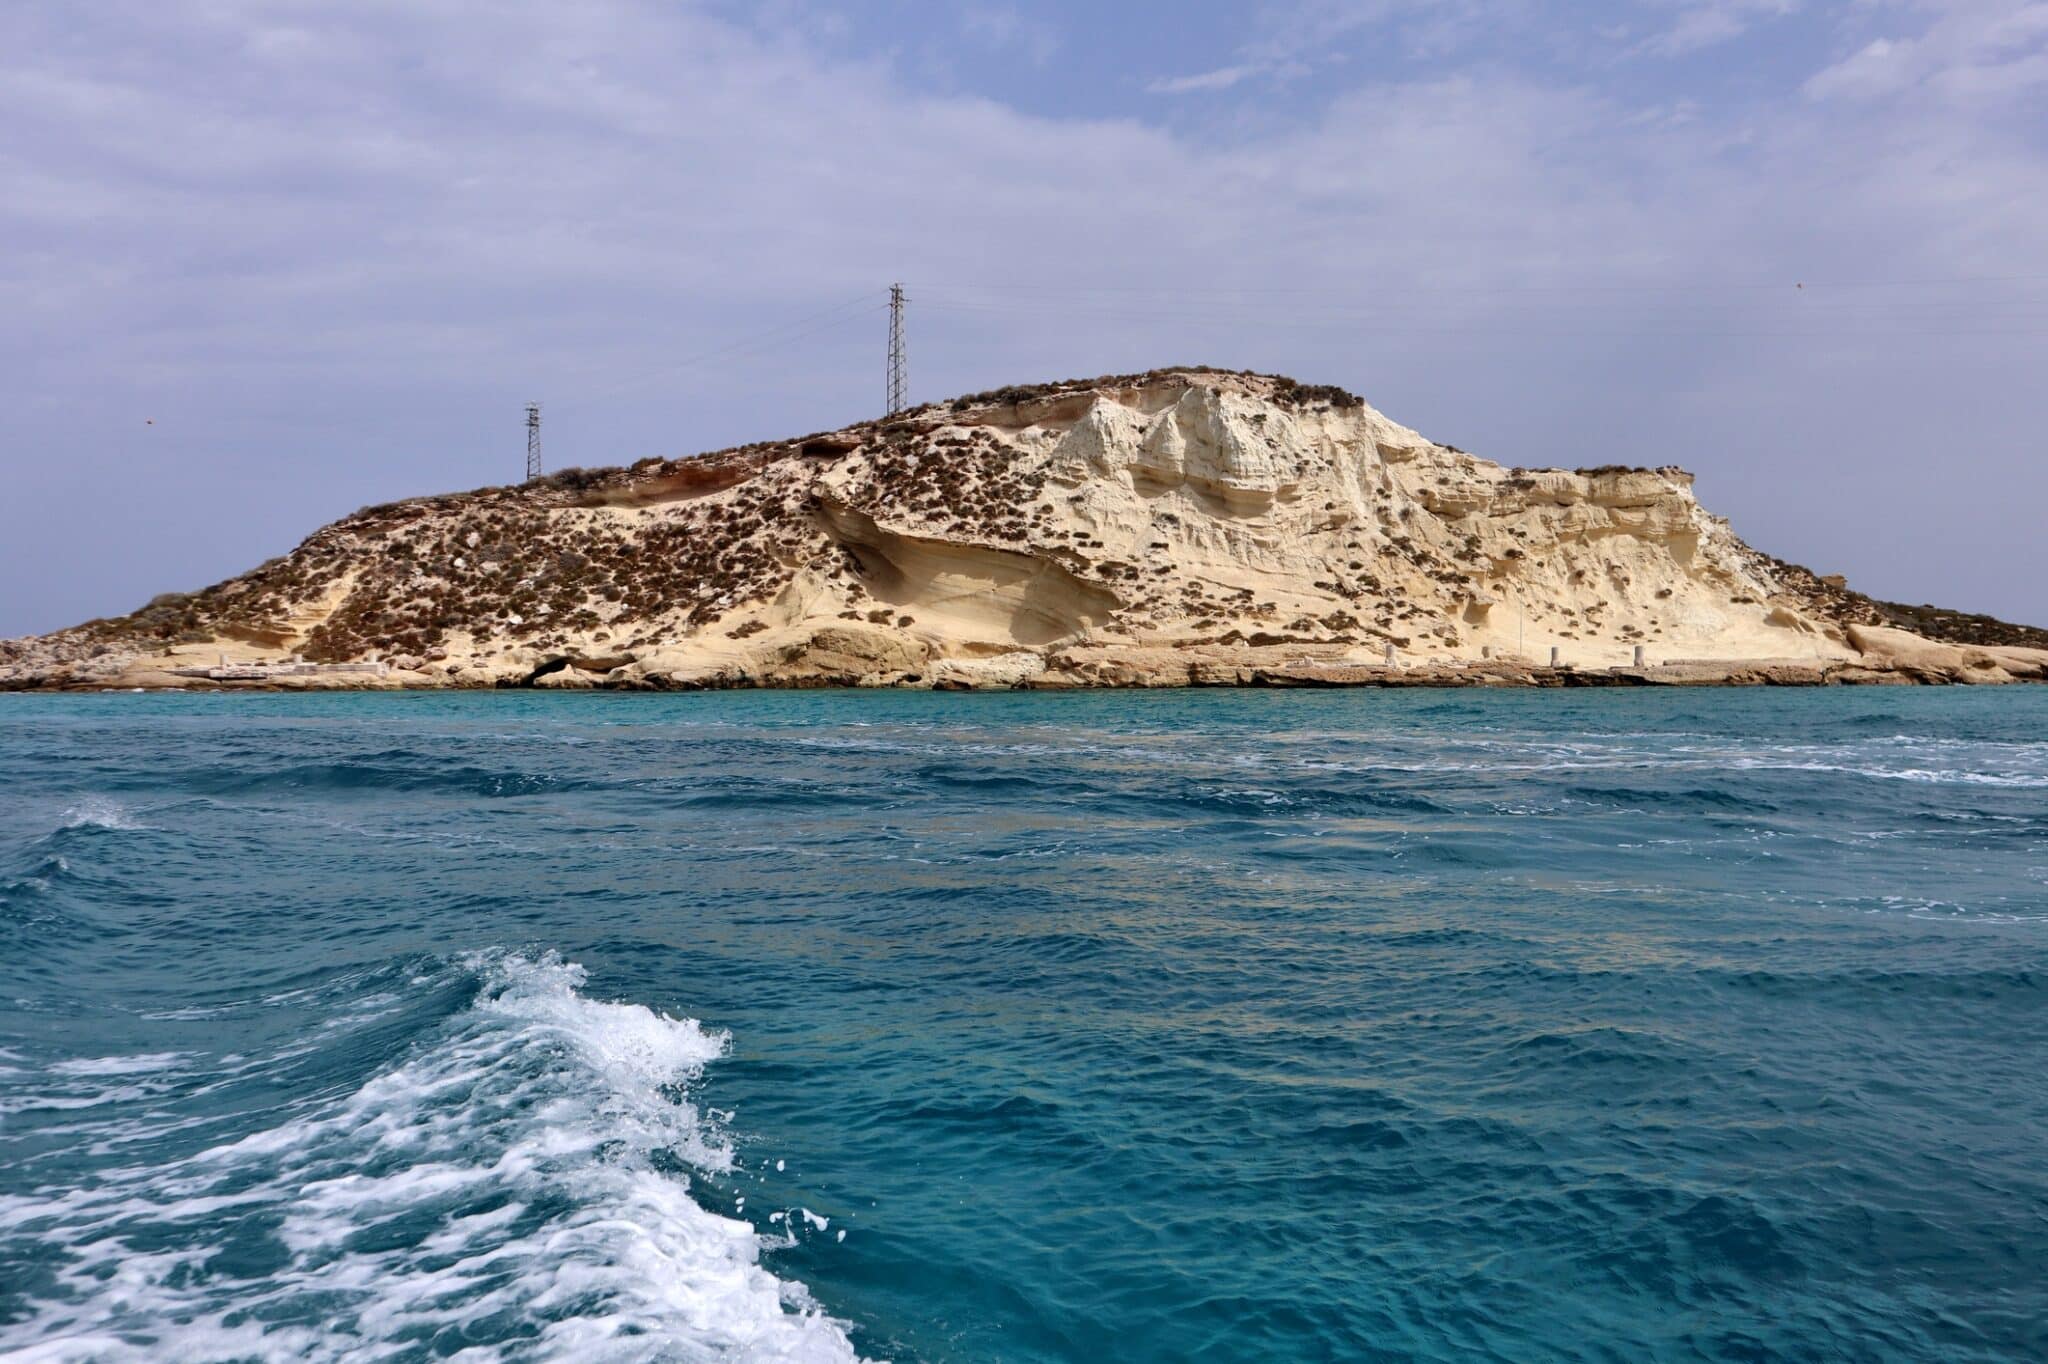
(1184, 526)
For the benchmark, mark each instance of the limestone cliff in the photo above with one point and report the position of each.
(1182, 526)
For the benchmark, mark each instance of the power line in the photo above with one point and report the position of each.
(1597, 306)
(1787, 284)
(1405, 309)
(898, 366)
(1540, 322)
(793, 330)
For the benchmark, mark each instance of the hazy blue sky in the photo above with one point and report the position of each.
(329, 249)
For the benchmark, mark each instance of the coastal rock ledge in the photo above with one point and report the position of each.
(1186, 527)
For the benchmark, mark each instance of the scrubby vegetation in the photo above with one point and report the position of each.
(967, 485)
(1836, 599)
(1289, 391)
(1292, 393)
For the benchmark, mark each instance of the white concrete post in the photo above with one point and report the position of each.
(1554, 652)
(1390, 655)
(1639, 655)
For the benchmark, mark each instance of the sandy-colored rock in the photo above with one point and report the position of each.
(1932, 659)
(1016, 668)
(566, 679)
(847, 654)
(1178, 528)
(2027, 665)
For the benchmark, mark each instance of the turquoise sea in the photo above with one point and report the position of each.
(1521, 1026)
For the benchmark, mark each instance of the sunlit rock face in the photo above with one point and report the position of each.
(1176, 527)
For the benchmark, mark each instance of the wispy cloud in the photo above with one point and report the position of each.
(1006, 28)
(1701, 24)
(1966, 51)
(1222, 78)
(1291, 39)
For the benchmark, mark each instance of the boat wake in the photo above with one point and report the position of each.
(517, 1188)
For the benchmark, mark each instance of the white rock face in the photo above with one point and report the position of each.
(1218, 444)
(1241, 452)
(1102, 444)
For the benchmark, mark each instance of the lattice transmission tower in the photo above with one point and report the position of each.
(899, 371)
(532, 441)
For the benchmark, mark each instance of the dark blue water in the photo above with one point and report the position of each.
(1177, 1026)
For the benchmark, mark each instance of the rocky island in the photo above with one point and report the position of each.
(1181, 527)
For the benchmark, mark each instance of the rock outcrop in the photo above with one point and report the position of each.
(1183, 527)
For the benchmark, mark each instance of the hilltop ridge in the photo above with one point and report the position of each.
(1182, 526)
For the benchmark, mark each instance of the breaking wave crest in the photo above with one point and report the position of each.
(518, 1188)
(99, 812)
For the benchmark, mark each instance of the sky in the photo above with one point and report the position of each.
(264, 263)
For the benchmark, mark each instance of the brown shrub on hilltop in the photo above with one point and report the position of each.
(574, 480)
(1018, 393)
(1293, 393)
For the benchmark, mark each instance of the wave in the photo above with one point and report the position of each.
(408, 772)
(141, 1064)
(518, 1188)
(100, 812)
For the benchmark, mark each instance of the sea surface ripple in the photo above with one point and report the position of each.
(1630, 1026)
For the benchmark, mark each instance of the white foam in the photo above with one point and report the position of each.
(523, 1168)
(119, 1065)
(99, 812)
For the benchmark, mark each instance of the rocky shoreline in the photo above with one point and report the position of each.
(1110, 669)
